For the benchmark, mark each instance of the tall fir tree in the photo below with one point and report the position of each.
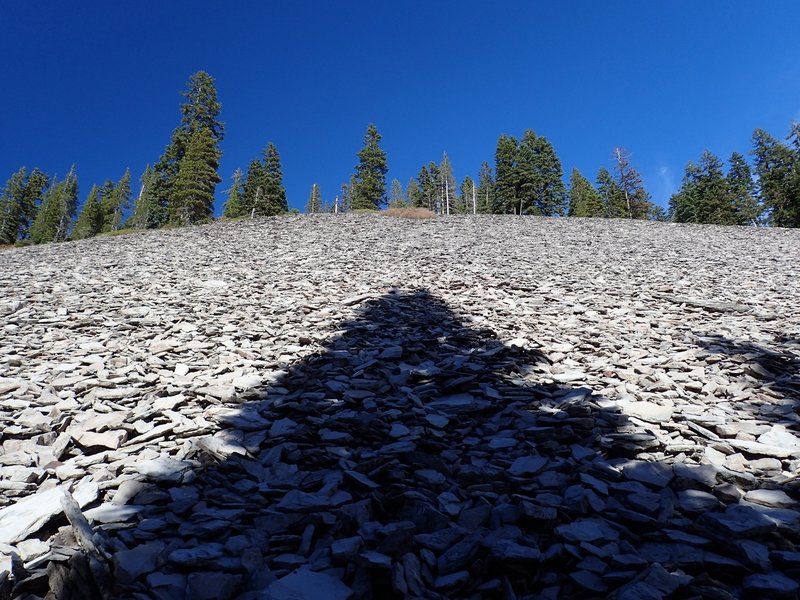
(59, 203)
(429, 190)
(528, 176)
(777, 168)
(193, 192)
(252, 188)
(584, 201)
(742, 190)
(233, 205)
(506, 198)
(35, 186)
(369, 190)
(397, 197)
(314, 204)
(703, 196)
(274, 198)
(147, 211)
(90, 219)
(610, 194)
(200, 112)
(485, 192)
(550, 194)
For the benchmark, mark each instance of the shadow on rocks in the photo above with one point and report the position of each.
(418, 456)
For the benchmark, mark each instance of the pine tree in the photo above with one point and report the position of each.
(314, 204)
(629, 181)
(741, 188)
(397, 198)
(90, 219)
(233, 205)
(610, 194)
(429, 190)
(528, 176)
(199, 112)
(32, 197)
(253, 187)
(57, 211)
(369, 190)
(274, 195)
(778, 171)
(506, 197)
(467, 194)
(584, 201)
(193, 193)
(147, 211)
(703, 196)
(447, 185)
(485, 192)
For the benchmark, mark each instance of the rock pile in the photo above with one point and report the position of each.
(363, 407)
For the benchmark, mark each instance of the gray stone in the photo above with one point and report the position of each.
(305, 584)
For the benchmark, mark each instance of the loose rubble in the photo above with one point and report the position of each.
(334, 407)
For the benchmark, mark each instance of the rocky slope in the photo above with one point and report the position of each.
(367, 407)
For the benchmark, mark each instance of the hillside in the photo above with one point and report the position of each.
(361, 406)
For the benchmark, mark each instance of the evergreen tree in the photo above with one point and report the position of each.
(703, 196)
(610, 194)
(413, 193)
(584, 201)
(200, 112)
(550, 194)
(447, 185)
(777, 169)
(193, 193)
(369, 191)
(147, 211)
(467, 193)
(253, 188)
(506, 197)
(90, 219)
(629, 181)
(31, 199)
(11, 199)
(314, 204)
(485, 192)
(114, 201)
(397, 198)
(429, 177)
(274, 197)
(57, 211)
(528, 177)
(233, 205)
(741, 188)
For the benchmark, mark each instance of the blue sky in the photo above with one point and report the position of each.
(97, 83)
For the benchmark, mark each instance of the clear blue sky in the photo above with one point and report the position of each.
(97, 83)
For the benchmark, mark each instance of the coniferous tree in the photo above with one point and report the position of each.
(114, 201)
(233, 205)
(11, 200)
(58, 207)
(741, 188)
(199, 112)
(314, 204)
(505, 176)
(467, 193)
(90, 219)
(253, 187)
(413, 193)
(550, 194)
(528, 175)
(447, 185)
(274, 198)
(192, 198)
(485, 192)
(369, 190)
(629, 181)
(610, 195)
(778, 171)
(703, 196)
(584, 201)
(147, 211)
(397, 198)
(32, 197)
(429, 177)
